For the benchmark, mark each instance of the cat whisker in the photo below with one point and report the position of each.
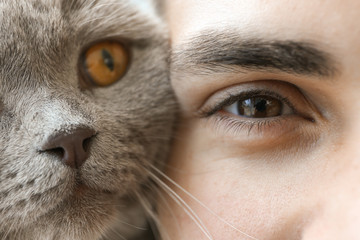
(201, 203)
(147, 204)
(169, 209)
(133, 226)
(148, 207)
(120, 235)
(188, 210)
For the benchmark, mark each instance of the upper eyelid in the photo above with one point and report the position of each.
(206, 111)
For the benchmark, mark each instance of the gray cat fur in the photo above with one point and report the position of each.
(42, 93)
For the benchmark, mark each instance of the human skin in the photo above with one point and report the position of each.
(292, 176)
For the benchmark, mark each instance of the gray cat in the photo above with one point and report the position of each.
(86, 110)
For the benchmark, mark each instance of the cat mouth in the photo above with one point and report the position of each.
(82, 189)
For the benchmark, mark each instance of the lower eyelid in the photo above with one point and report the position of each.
(270, 140)
(248, 129)
(237, 124)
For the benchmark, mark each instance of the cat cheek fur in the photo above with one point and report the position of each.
(42, 94)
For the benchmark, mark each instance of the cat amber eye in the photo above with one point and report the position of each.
(105, 62)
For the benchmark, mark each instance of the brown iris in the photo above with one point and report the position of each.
(105, 62)
(260, 107)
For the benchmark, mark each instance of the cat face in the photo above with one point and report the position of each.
(73, 150)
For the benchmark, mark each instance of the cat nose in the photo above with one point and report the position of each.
(71, 147)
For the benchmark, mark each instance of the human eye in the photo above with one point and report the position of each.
(258, 105)
(263, 109)
(254, 104)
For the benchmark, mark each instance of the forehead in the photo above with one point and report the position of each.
(278, 19)
(331, 25)
(29, 19)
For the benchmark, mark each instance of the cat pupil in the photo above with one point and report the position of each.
(108, 60)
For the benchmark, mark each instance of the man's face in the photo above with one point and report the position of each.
(269, 139)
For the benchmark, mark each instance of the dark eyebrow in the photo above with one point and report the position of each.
(216, 52)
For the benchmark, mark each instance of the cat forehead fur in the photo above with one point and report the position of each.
(41, 44)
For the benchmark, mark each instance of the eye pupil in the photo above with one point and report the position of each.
(260, 107)
(108, 60)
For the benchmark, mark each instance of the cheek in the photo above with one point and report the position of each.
(223, 202)
(236, 195)
(221, 197)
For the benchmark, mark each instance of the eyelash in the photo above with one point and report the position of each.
(237, 124)
(242, 96)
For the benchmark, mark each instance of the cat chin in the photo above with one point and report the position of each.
(68, 205)
(87, 202)
(84, 214)
(90, 214)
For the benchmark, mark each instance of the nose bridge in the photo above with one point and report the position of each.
(61, 127)
(51, 113)
(60, 112)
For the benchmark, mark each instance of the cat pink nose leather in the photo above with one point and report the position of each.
(71, 146)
